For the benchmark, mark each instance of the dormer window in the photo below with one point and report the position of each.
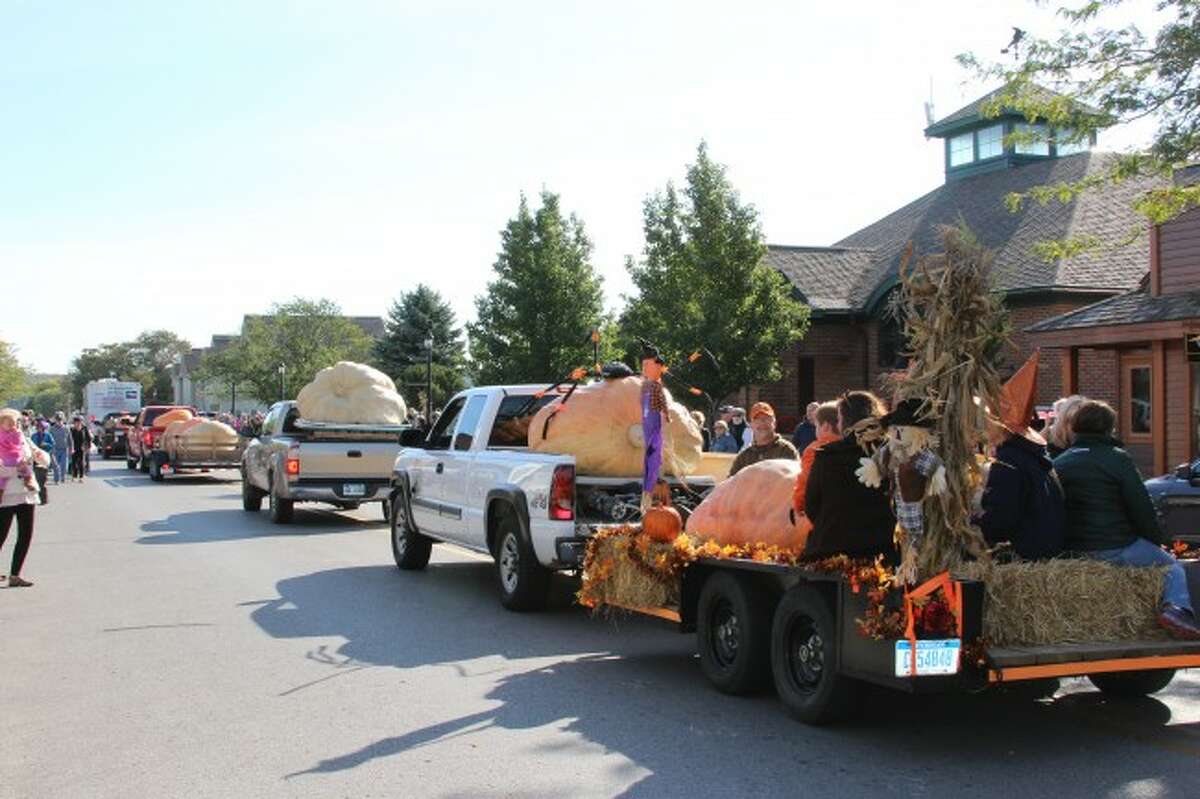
(1066, 145)
(962, 149)
(990, 141)
(1039, 146)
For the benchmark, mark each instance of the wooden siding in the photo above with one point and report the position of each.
(1178, 410)
(1179, 254)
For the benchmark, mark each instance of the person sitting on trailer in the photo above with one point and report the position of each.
(848, 517)
(825, 417)
(766, 444)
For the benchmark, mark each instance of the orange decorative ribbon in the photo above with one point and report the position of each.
(953, 592)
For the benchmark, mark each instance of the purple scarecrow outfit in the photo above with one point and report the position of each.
(654, 407)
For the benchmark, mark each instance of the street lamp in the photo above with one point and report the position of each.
(429, 379)
(282, 371)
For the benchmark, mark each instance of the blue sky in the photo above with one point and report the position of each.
(180, 164)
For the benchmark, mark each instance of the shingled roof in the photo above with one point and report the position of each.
(1135, 307)
(853, 274)
(973, 111)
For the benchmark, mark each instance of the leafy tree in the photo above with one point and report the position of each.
(50, 395)
(304, 336)
(13, 376)
(413, 318)
(147, 360)
(227, 368)
(1098, 77)
(533, 322)
(702, 283)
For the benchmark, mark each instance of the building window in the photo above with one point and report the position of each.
(1038, 146)
(1138, 410)
(962, 149)
(1063, 144)
(991, 141)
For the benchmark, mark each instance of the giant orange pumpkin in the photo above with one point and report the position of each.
(601, 425)
(174, 415)
(752, 507)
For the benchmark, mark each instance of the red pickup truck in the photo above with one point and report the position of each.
(144, 436)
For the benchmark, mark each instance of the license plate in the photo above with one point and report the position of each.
(354, 489)
(933, 657)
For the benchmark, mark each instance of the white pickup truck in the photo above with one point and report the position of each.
(474, 483)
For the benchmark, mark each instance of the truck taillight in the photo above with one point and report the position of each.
(562, 493)
(148, 438)
(291, 466)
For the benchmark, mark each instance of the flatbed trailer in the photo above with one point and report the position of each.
(197, 456)
(758, 623)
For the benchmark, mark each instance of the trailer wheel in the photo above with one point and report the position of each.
(156, 472)
(281, 509)
(130, 463)
(733, 633)
(144, 464)
(410, 549)
(804, 658)
(252, 497)
(1132, 683)
(524, 583)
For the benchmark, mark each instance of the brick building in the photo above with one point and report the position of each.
(854, 341)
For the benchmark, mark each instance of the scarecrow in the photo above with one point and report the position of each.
(655, 414)
(914, 470)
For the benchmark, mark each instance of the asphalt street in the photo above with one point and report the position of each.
(176, 646)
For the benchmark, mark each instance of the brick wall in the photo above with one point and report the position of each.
(837, 349)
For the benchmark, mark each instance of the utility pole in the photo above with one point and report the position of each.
(429, 380)
(282, 372)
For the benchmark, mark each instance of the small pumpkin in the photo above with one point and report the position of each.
(662, 523)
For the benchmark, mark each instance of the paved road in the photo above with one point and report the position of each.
(175, 646)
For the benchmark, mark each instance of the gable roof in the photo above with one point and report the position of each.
(973, 111)
(857, 271)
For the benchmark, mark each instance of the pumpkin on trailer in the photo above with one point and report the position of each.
(162, 421)
(351, 393)
(601, 425)
(752, 507)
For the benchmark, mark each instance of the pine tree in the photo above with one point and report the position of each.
(534, 320)
(416, 316)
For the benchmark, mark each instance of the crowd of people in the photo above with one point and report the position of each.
(1074, 492)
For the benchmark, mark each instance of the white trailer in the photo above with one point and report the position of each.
(102, 397)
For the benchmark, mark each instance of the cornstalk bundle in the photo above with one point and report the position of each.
(954, 326)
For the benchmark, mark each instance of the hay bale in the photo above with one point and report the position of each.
(1067, 601)
(629, 570)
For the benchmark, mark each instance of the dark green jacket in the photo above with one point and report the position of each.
(1108, 506)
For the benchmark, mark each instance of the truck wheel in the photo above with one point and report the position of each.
(144, 464)
(156, 472)
(804, 658)
(281, 509)
(1132, 683)
(251, 497)
(733, 633)
(410, 549)
(130, 463)
(523, 581)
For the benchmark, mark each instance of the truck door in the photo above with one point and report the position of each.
(463, 519)
(427, 470)
(1181, 508)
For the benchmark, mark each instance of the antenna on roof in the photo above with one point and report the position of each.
(929, 118)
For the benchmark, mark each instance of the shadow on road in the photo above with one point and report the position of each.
(204, 526)
(634, 687)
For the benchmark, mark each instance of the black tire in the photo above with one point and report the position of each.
(130, 463)
(144, 464)
(733, 633)
(252, 497)
(281, 509)
(1132, 683)
(523, 582)
(804, 658)
(410, 549)
(156, 472)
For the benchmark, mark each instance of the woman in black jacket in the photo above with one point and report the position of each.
(1023, 498)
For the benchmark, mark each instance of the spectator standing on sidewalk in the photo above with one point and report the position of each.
(81, 442)
(42, 439)
(62, 448)
(18, 498)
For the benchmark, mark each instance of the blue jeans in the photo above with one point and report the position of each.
(1144, 553)
(60, 464)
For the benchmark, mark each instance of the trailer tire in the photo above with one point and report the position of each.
(252, 497)
(804, 658)
(281, 509)
(130, 463)
(156, 472)
(410, 549)
(1132, 683)
(524, 583)
(144, 464)
(733, 633)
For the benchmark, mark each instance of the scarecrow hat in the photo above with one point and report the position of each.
(614, 370)
(650, 352)
(1017, 400)
(907, 413)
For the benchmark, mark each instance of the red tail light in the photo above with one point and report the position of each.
(291, 466)
(562, 493)
(148, 438)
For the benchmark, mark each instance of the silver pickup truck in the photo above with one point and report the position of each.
(474, 483)
(296, 460)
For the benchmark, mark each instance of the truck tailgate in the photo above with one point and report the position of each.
(339, 460)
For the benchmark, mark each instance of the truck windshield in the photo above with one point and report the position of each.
(511, 430)
(152, 414)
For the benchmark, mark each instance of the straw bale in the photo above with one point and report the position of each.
(1067, 601)
(617, 574)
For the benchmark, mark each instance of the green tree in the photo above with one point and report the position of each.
(702, 283)
(302, 335)
(50, 395)
(415, 317)
(1089, 76)
(227, 368)
(533, 321)
(13, 376)
(147, 360)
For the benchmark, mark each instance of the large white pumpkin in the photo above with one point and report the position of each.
(350, 392)
(601, 425)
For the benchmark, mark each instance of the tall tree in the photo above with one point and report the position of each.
(50, 395)
(702, 283)
(533, 321)
(12, 374)
(415, 317)
(1100, 76)
(303, 336)
(146, 359)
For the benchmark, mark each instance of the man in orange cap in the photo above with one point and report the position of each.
(766, 443)
(1022, 501)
